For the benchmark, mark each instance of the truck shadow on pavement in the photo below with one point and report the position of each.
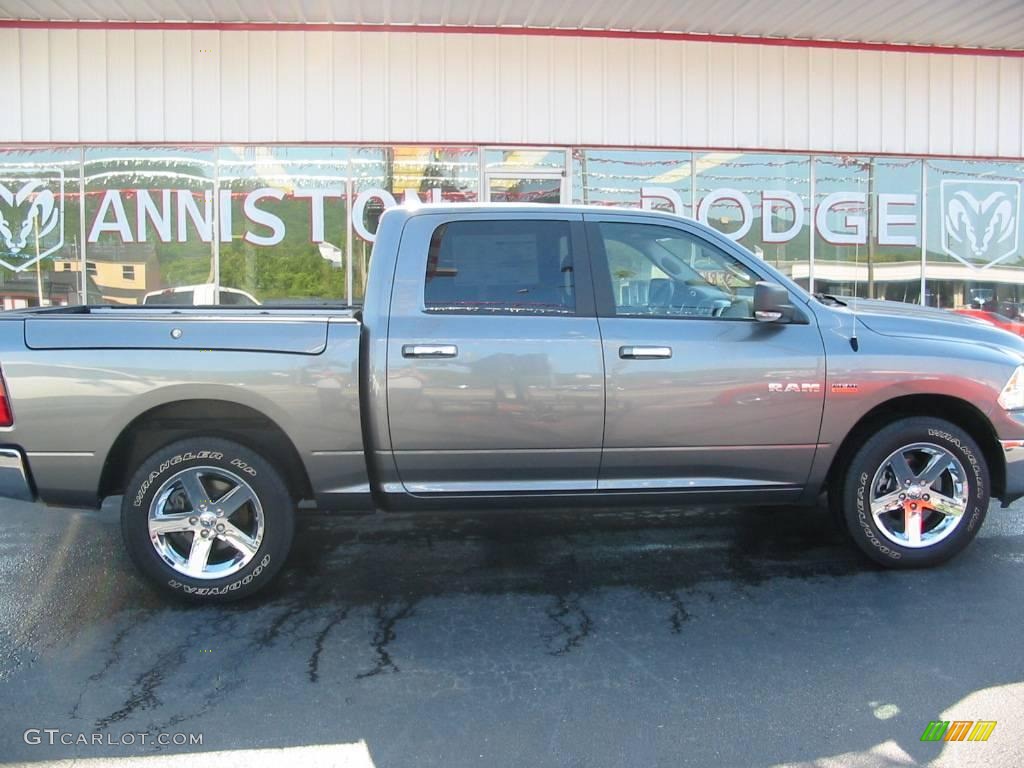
(705, 636)
(393, 564)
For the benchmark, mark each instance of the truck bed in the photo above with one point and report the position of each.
(78, 377)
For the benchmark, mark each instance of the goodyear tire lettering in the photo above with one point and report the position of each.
(204, 591)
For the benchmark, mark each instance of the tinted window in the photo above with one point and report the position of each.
(517, 266)
(664, 272)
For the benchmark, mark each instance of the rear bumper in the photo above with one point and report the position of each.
(14, 482)
(1013, 454)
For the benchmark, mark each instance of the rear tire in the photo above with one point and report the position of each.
(208, 520)
(916, 493)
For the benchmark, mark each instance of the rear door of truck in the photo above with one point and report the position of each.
(495, 376)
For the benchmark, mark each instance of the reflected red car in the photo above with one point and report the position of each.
(994, 318)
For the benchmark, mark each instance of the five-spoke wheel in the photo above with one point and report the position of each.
(919, 495)
(207, 519)
(916, 492)
(206, 522)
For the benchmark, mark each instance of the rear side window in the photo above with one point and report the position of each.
(511, 267)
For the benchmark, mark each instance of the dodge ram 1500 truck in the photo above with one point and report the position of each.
(513, 354)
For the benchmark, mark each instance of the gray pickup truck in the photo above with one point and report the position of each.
(511, 354)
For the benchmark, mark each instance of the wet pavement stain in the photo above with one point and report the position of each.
(313, 667)
(114, 653)
(210, 680)
(572, 622)
(113, 659)
(680, 615)
(221, 685)
(384, 635)
(285, 623)
(143, 692)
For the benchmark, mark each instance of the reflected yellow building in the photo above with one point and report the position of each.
(120, 274)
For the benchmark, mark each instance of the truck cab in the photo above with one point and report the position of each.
(565, 351)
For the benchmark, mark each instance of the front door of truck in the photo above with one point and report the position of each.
(700, 395)
(495, 378)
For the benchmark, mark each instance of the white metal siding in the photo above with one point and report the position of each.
(308, 86)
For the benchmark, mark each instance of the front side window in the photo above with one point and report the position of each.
(658, 271)
(518, 266)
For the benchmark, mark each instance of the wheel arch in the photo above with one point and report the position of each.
(166, 423)
(959, 412)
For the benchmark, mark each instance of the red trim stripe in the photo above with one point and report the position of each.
(28, 146)
(430, 29)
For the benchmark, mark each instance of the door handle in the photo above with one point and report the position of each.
(429, 350)
(645, 353)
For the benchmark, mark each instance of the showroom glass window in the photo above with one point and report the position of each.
(525, 175)
(151, 208)
(40, 237)
(652, 179)
(387, 176)
(840, 224)
(868, 227)
(975, 236)
(763, 202)
(283, 224)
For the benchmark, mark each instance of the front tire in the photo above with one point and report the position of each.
(916, 493)
(207, 520)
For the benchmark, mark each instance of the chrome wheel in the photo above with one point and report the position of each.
(919, 495)
(206, 522)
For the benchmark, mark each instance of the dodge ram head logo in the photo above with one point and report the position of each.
(980, 221)
(31, 217)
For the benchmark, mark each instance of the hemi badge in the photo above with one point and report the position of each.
(844, 389)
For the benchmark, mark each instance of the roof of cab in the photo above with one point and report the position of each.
(426, 208)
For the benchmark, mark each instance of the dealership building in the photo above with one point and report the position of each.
(201, 152)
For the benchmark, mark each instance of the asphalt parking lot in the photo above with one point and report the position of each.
(736, 637)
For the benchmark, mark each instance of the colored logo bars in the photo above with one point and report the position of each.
(958, 730)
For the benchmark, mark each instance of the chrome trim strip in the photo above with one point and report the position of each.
(359, 488)
(706, 448)
(681, 449)
(483, 451)
(537, 486)
(184, 316)
(60, 454)
(683, 483)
